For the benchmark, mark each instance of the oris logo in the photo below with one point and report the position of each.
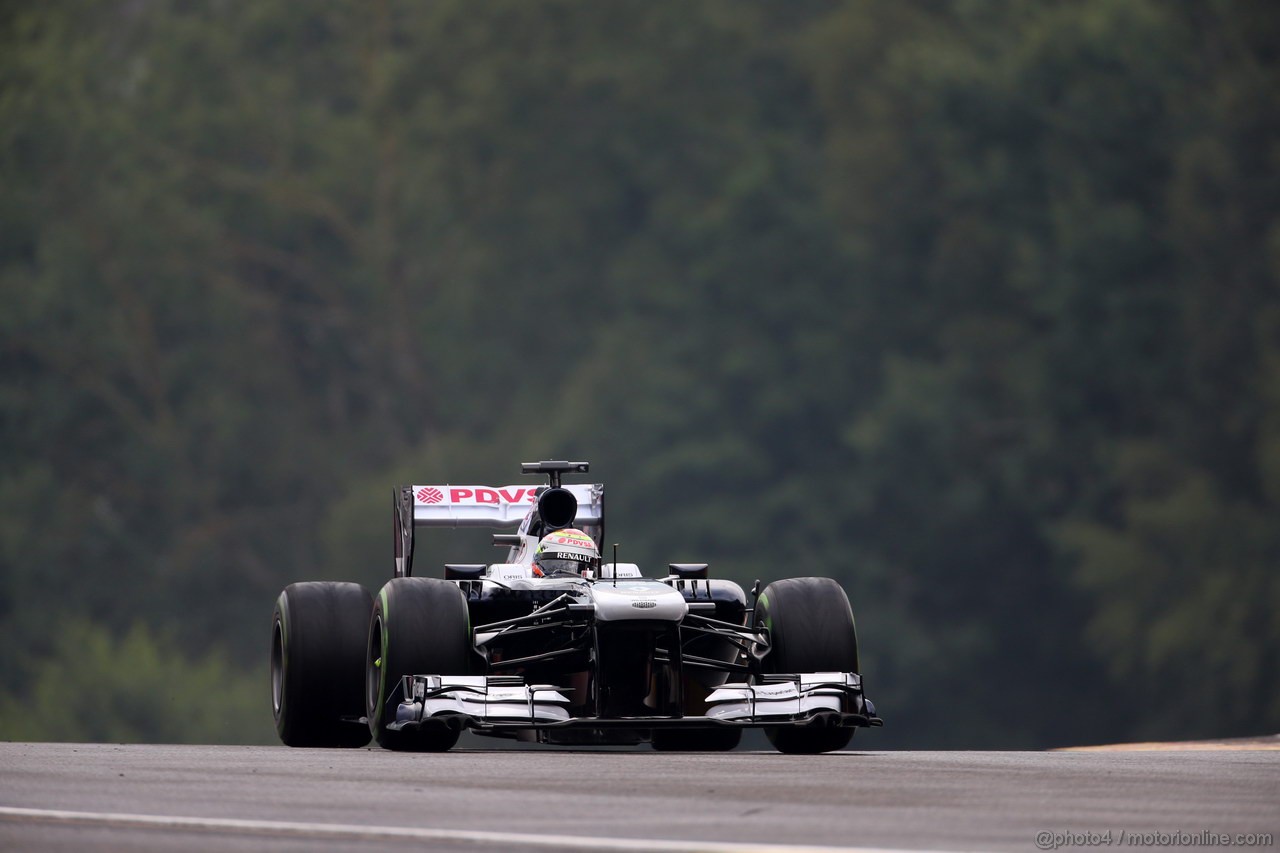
(430, 496)
(644, 605)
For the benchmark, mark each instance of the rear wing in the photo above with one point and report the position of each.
(481, 506)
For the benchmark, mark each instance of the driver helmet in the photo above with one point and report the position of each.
(567, 550)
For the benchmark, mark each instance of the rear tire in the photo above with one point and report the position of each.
(420, 626)
(317, 664)
(811, 629)
(696, 740)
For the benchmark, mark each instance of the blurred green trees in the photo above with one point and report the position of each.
(136, 688)
(972, 306)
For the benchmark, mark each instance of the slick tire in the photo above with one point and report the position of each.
(318, 636)
(811, 629)
(420, 626)
(696, 740)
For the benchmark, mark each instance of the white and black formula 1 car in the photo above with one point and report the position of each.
(554, 646)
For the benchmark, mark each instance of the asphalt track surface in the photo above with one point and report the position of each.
(145, 798)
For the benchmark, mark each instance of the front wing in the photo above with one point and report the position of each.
(495, 703)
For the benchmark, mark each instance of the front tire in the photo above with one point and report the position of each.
(317, 664)
(811, 629)
(420, 626)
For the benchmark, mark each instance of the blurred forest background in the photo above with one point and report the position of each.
(973, 306)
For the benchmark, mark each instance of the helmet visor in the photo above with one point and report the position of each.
(566, 561)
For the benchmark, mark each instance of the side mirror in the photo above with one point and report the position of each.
(464, 571)
(688, 571)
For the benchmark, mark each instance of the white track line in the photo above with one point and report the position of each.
(357, 832)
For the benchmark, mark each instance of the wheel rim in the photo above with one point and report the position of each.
(373, 670)
(277, 667)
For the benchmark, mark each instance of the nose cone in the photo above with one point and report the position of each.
(632, 600)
